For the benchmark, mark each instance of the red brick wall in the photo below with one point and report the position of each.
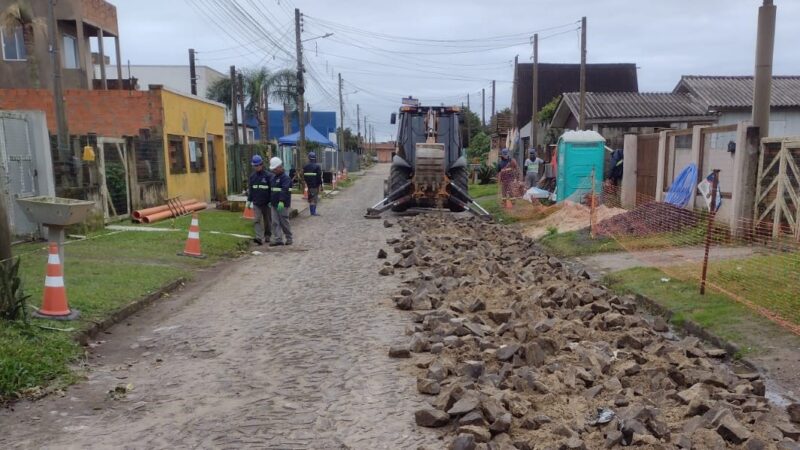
(107, 113)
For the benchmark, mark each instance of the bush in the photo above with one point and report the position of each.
(13, 300)
(486, 174)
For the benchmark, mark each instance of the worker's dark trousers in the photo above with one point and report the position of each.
(262, 222)
(281, 231)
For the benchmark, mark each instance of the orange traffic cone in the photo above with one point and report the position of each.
(193, 241)
(344, 173)
(248, 212)
(54, 303)
(333, 181)
(507, 204)
(305, 193)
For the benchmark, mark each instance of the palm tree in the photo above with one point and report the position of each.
(20, 14)
(261, 85)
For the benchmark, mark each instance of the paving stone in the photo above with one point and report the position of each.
(431, 418)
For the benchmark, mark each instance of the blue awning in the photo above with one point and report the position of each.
(312, 135)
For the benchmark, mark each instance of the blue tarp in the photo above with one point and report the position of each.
(312, 135)
(682, 190)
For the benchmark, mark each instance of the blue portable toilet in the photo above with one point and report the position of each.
(579, 152)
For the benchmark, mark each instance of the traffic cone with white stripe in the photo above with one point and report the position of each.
(305, 193)
(248, 212)
(54, 303)
(192, 247)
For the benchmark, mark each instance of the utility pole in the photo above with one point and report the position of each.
(341, 115)
(58, 89)
(483, 107)
(582, 118)
(192, 72)
(493, 104)
(234, 112)
(469, 127)
(241, 104)
(765, 46)
(535, 112)
(301, 89)
(514, 99)
(358, 125)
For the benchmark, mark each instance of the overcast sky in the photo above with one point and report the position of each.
(441, 50)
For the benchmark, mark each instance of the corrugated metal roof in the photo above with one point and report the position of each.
(737, 92)
(635, 105)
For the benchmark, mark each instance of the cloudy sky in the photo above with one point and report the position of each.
(442, 50)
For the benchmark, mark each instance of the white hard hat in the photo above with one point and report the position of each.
(274, 163)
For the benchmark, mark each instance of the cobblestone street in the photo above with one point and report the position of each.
(283, 350)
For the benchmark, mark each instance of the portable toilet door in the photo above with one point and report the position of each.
(579, 152)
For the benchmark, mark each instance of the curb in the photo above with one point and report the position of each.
(121, 314)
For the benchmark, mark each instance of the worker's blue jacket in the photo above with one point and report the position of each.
(312, 174)
(281, 190)
(258, 188)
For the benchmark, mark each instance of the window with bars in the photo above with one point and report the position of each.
(177, 155)
(197, 157)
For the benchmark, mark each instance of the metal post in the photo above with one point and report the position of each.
(300, 83)
(582, 119)
(466, 118)
(192, 72)
(709, 229)
(358, 127)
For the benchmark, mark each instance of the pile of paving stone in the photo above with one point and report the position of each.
(517, 351)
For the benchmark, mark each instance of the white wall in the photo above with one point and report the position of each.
(171, 77)
(782, 123)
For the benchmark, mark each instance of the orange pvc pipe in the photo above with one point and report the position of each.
(156, 209)
(167, 214)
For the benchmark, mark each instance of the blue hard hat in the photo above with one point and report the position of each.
(256, 161)
(504, 152)
(312, 155)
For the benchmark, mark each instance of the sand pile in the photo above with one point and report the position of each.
(572, 216)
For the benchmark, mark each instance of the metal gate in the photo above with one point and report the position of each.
(646, 167)
(114, 185)
(778, 186)
(16, 156)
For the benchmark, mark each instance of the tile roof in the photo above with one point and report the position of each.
(635, 105)
(737, 92)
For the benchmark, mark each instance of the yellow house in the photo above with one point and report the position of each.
(194, 146)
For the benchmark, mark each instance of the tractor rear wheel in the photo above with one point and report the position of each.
(397, 178)
(460, 178)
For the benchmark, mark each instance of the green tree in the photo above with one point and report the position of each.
(479, 147)
(548, 111)
(350, 139)
(19, 14)
(472, 123)
(261, 85)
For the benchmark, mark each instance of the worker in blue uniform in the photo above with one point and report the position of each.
(258, 196)
(312, 174)
(281, 201)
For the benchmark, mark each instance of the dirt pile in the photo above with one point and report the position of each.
(570, 217)
(518, 352)
(648, 219)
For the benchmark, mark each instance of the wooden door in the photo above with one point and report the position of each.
(646, 167)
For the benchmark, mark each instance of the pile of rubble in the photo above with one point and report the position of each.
(647, 219)
(517, 351)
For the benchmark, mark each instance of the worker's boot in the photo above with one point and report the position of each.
(313, 209)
